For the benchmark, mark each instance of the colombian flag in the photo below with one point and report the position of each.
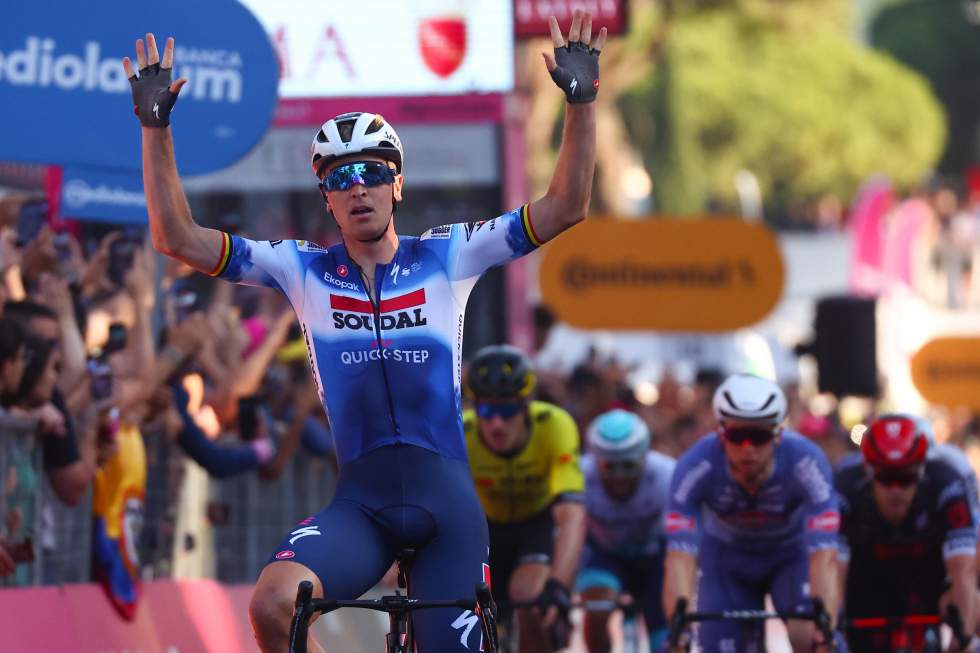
(117, 507)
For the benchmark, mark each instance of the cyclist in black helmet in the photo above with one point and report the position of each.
(524, 456)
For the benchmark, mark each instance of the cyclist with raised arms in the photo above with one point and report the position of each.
(752, 507)
(383, 319)
(524, 457)
(626, 488)
(908, 536)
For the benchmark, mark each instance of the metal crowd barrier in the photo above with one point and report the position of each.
(256, 513)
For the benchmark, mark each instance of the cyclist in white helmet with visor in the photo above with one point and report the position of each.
(752, 507)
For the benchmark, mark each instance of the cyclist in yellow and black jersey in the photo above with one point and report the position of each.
(524, 456)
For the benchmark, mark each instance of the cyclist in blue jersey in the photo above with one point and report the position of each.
(752, 507)
(382, 315)
(626, 487)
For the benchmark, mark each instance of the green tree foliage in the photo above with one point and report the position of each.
(784, 93)
(940, 39)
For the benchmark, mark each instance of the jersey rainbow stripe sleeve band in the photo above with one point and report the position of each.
(224, 257)
(528, 227)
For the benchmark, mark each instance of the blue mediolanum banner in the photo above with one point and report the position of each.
(64, 98)
(103, 195)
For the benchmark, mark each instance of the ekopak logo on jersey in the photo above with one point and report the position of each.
(56, 78)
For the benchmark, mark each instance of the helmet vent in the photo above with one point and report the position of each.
(346, 130)
(321, 137)
(375, 125)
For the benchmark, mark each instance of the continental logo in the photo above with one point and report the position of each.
(946, 371)
(705, 275)
(402, 312)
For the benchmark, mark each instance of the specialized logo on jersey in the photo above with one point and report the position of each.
(826, 522)
(400, 312)
(679, 523)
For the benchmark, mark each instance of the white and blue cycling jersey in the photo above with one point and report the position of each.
(631, 527)
(795, 506)
(388, 370)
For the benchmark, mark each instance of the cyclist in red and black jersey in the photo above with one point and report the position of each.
(908, 538)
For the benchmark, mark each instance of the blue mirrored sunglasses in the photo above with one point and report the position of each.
(503, 410)
(369, 173)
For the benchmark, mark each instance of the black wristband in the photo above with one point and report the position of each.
(577, 72)
(152, 98)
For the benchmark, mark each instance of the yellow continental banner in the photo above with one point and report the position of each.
(714, 274)
(946, 371)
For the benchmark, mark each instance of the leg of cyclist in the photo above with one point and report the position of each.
(600, 579)
(442, 518)
(790, 593)
(526, 584)
(727, 580)
(340, 549)
(646, 574)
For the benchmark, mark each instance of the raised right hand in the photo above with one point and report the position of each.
(153, 93)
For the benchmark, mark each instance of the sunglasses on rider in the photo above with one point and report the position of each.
(755, 435)
(897, 477)
(620, 467)
(369, 173)
(504, 410)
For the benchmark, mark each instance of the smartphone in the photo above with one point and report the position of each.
(117, 338)
(186, 302)
(121, 255)
(62, 242)
(33, 215)
(100, 378)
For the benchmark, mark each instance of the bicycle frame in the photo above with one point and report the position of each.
(897, 629)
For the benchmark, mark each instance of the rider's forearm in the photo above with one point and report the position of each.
(823, 579)
(570, 519)
(170, 215)
(962, 571)
(570, 191)
(172, 227)
(680, 570)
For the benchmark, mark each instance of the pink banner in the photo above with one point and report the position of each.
(189, 616)
(531, 16)
(399, 110)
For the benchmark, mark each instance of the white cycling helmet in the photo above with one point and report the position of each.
(618, 435)
(355, 133)
(750, 398)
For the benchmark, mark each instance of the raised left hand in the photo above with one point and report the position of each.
(574, 67)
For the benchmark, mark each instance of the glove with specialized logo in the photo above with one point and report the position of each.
(152, 98)
(577, 73)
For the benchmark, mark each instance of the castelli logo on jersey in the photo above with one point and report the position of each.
(826, 522)
(342, 270)
(285, 555)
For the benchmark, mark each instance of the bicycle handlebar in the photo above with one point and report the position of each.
(306, 606)
(818, 615)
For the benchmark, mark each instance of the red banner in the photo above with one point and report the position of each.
(531, 16)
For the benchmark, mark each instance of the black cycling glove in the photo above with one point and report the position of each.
(152, 98)
(577, 72)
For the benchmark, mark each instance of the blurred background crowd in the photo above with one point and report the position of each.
(156, 423)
